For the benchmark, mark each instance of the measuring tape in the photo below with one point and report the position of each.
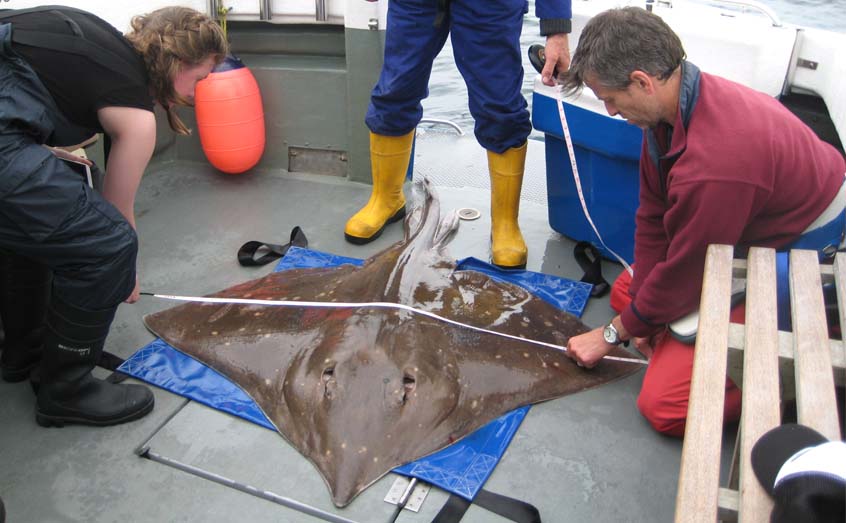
(572, 153)
(373, 304)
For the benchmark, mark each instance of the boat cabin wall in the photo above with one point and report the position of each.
(315, 84)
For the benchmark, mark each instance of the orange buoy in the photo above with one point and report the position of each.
(230, 117)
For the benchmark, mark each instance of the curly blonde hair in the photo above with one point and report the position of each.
(169, 37)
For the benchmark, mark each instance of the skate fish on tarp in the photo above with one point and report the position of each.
(359, 391)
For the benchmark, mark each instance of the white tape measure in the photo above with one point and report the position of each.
(559, 102)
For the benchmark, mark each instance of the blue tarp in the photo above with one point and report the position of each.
(462, 468)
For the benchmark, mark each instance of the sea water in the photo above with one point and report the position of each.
(448, 93)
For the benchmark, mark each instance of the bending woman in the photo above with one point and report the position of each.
(69, 252)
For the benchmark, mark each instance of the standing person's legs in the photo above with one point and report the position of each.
(50, 216)
(411, 44)
(665, 392)
(486, 45)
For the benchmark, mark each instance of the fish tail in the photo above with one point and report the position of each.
(446, 230)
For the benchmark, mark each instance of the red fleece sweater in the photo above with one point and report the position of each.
(744, 171)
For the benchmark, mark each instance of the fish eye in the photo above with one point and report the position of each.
(328, 374)
(408, 382)
(329, 385)
(408, 385)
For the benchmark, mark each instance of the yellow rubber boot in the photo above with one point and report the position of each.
(389, 157)
(508, 250)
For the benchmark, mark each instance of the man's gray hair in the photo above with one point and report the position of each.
(617, 42)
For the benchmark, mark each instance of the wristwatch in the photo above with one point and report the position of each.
(611, 335)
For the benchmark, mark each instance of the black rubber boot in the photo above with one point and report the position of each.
(68, 393)
(24, 295)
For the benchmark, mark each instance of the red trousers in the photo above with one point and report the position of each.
(665, 391)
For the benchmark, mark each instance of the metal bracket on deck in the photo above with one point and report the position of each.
(414, 495)
(144, 450)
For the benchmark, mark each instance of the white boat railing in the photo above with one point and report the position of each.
(320, 10)
(753, 5)
(437, 121)
(333, 12)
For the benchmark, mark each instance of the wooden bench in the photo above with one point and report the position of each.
(756, 355)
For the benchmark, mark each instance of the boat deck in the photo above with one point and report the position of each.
(586, 457)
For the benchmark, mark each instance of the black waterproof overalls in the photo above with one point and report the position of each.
(50, 217)
(47, 212)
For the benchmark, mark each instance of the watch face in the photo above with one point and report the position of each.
(610, 334)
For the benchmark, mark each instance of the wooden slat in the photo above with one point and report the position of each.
(737, 345)
(760, 379)
(727, 505)
(815, 361)
(696, 499)
(838, 359)
(816, 404)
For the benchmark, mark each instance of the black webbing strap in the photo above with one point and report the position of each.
(510, 508)
(247, 252)
(111, 362)
(589, 259)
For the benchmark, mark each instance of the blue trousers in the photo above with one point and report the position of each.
(486, 45)
(824, 240)
(47, 211)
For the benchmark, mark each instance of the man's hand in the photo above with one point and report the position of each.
(589, 348)
(557, 55)
(136, 293)
(643, 346)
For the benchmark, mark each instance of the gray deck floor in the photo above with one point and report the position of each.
(585, 457)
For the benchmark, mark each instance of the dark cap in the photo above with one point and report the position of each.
(804, 472)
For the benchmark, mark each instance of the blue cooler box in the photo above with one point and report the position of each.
(607, 155)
